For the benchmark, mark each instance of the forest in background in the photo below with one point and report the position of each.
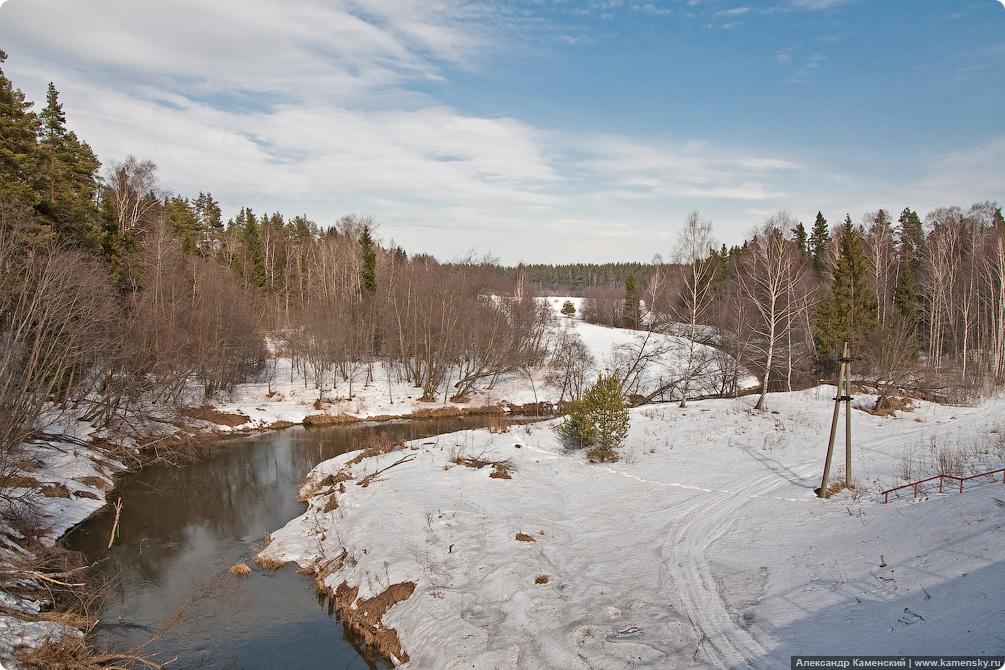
(116, 291)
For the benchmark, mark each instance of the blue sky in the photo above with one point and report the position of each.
(535, 130)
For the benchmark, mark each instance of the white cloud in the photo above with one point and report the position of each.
(326, 107)
(963, 176)
(736, 11)
(689, 170)
(819, 4)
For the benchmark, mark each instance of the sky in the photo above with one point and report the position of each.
(537, 131)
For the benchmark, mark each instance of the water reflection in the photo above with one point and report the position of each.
(182, 528)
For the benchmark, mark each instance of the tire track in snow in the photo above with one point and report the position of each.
(723, 642)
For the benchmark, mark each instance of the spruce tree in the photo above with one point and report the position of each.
(910, 247)
(632, 314)
(801, 238)
(819, 237)
(368, 281)
(851, 310)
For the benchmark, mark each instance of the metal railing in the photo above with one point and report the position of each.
(942, 478)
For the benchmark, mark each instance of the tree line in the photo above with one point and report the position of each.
(115, 291)
(921, 301)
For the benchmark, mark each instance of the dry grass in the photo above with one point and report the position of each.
(524, 537)
(500, 469)
(436, 412)
(837, 487)
(543, 579)
(20, 482)
(498, 424)
(213, 416)
(364, 617)
(269, 563)
(99, 483)
(890, 405)
(329, 419)
(240, 570)
(57, 490)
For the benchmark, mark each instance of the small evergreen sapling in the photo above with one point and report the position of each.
(568, 309)
(599, 420)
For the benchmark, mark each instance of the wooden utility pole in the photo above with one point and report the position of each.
(843, 393)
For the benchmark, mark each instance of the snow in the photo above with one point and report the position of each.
(704, 546)
(290, 397)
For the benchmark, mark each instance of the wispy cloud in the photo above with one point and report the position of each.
(804, 68)
(736, 11)
(693, 169)
(818, 4)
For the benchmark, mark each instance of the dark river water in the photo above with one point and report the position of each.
(182, 528)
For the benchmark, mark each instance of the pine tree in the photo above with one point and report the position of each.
(819, 237)
(910, 238)
(568, 309)
(850, 311)
(66, 177)
(18, 131)
(207, 211)
(606, 402)
(184, 222)
(599, 420)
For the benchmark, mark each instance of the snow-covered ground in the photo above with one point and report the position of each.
(289, 397)
(703, 546)
(69, 478)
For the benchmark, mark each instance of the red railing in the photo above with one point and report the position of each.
(942, 478)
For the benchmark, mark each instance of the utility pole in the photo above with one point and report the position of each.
(843, 385)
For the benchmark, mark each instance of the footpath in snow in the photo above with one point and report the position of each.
(703, 546)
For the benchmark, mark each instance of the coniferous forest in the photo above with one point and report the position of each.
(115, 290)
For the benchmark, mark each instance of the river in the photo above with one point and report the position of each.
(182, 528)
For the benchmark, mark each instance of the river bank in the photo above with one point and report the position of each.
(73, 473)
(74, 468)
(704, 546)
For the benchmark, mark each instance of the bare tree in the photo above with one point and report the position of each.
(693, 254)
(131, 188)
(880, 251)
(56, 310)
(770, 270)
(571, 365)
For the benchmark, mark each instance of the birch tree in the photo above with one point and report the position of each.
(769, 274)
(697, 270)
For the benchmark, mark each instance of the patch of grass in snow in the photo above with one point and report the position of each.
(939, 456)
(269, 563)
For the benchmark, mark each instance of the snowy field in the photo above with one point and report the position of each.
(704, 546)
